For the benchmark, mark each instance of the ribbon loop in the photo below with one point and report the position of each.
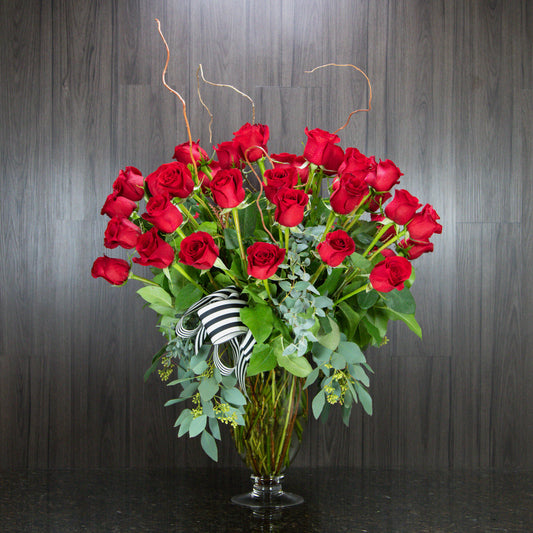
(219, 320)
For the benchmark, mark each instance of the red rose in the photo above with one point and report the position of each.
(297, 161)
(385, 175)
(321, 149)
(121, 231)
(391, 232)
(182, 153)
(390, 274)
(115, 271)
(424, 224)
(337, 246)
(198, 250)
(163, 214)
(378, 200)
(228, 155)
(227, 188)
(415, 249)
(264, 259)
(355, 162)
(118, 206)
(402, 207)
(153, 250)
(278, 177)
(130, 184)
(290, 206)
(349, 190)
(171, 179)
(251, 141)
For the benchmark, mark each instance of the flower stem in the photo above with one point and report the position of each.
(329, 223)
(179, 268)
(144, 280)
(360, 289)
(235, 213)
(388, 243)
(189, 216)
(317, 273)
(287, 231)
(377, 237)
(267, 287)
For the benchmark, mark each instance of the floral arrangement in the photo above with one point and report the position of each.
(263, 261)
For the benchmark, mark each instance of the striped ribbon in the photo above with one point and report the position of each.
(220, 321)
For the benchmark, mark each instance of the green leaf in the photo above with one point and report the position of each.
(174, 401)
(155, 295)
(364, 398)
(318, 404)
(401, 301)
(263, 359)
(349, 318)
(155, 362)
(231, 239)
(373, 331)
(197, 425)
(337, 361)
(321, 354)
(410, 320)
(312, 377)
(163, 310)
(208, 227)
(184, 425)
(299, 366)
(187, 296)
(367, 299)
(359, 374)
(259, 319)
(209, 445)
(332, 281)
(330, 340)
(183, 415)
(214, 428)
(351, 352)
(233, 396)
(207, 389)
(361, 262)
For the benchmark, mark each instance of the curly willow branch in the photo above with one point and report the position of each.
(172, 90)
(369, 90)
(200, 71)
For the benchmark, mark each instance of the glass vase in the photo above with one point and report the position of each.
(275, 418)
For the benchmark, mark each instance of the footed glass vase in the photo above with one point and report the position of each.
(275, 418)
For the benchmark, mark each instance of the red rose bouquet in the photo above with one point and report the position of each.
(263, 261)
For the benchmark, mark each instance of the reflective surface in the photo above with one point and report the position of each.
(336, 500)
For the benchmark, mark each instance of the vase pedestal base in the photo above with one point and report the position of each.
(267, 495)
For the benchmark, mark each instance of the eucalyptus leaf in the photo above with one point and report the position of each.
(207, 389)
(351, 352)
(364, 398)
(299, 366)
(318, 403)
(197, 425)
(233, 396)
(330, 340)
(209, 445)
(214, 428)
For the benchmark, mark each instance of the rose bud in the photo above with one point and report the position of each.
(402, 207)
(130, 184)
(322, 150)
(121, 231)
(355, 162)
(384, 176)
(278, 177)
(171, 179)
(297, 161)
(264, 259)
(115, 271)
(349, 190)
(198, 250)
(153, 250)
(424, 224)
(228, 155)
(391, 273)
(337, 246)
(415, 249)
(118, 206)
(290, 206)
(163, 214)
(226, 187)
(182, 153)
(251, 141)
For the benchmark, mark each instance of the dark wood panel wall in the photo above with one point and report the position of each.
(81, 97)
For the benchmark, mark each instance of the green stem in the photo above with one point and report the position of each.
(267, 287)
(287, 231)
(261, 165)
(144, 280)
(191, 218)
(287, 418)
(377, 237)
(179, 268)
(311, 177)
(388, 243)
(317, 273)
(235, 213)
(360, 289)
(329, 223)
(349, 223)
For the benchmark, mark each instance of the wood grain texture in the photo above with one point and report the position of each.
(82, 97)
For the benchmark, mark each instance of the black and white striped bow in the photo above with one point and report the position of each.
(220, 321)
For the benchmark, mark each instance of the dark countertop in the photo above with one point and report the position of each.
(336, 500)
